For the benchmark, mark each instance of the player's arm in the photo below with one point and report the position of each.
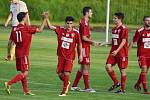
(40, 29)
(131, 44)
(50, 25)
(92, 42)
(28, 19)
(79, 50)
(106, 43)
(10, 44)
(8, 20)
(114, 53)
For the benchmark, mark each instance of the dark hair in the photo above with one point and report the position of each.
(119, 15)
(69, 18)
(86, 9)
(145, 17)
(20, 16)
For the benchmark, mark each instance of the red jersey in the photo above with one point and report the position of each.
(84, 30)
(142, 37)
(22, 36)
(118, 34)
(67, 42)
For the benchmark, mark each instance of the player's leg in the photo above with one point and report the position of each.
(112, 75)
(144, 63)
(77, 79)
(122, 64)
(61, 62)
(68, 64)
(143, 78)
(123, 81)
(138, 83)
(111, 60)
(12, 52)
(15, 79)
(86, 75)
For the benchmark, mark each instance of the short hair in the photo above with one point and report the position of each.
(69, 18)
(20, 16)
(119, 15)
(86, 9)
(145, 17)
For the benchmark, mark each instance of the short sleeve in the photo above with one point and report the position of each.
(84, 28)
(136, 36)
(58, 30)
(78, 38)
(32, 29)
(125, 34)
(23, 7)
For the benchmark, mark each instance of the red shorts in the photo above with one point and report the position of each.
(86, 55)
(121, 61)
(64, 65)
(144, 61)
(22, 63)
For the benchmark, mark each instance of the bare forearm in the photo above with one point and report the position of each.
(121, 45)
(131, 44)
(50, 25)
(86, 39)
(8, 19)
(10, 43)
(28, 19)
(79, 48)
(40, 29)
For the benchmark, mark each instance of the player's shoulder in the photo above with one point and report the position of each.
(83, 21)
(124, 26)
(22, 3)
(75, 31)
(140, 29)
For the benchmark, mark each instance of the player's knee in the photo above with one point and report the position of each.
(123, 73)
(85, 72)
(143, 69)
(67, 73)
(25, 73)
(108, 67)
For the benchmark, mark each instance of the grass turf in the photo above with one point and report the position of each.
(43, 80)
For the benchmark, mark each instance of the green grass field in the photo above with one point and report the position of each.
(43, 80)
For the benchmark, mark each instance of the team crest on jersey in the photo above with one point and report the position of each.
(67, 35)
(115, 31)
(119, 30)
(143, 35)
(148, 35)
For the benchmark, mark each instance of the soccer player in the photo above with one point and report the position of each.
(21, 36)
(142, 38)
(16, 7)
(118, 52)
(68, 38)
(84, 30)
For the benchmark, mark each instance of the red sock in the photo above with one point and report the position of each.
(143, 79)
(24, 85)
(66, 80)
(123, 81)
(139, 80)
(86, 81)
(17, 78)
(113, 76)
(78, 77)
